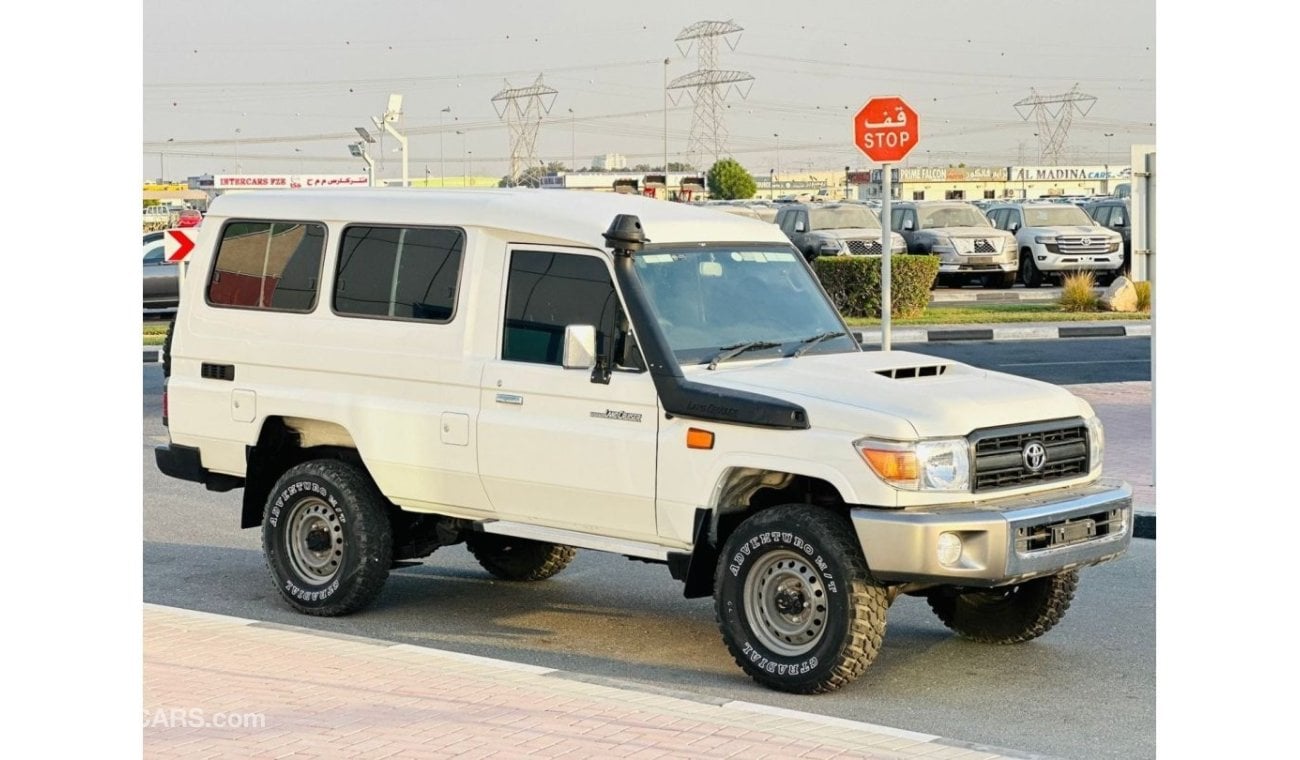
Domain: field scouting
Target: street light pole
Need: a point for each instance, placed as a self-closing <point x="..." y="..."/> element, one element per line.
<point x="778" y="152"/>
<point x="442" y="162"/>
<point x="464" y="170"/>
<point x="665" y="124"/>
<point x="573" y="141"/>
<point x="237" y="169"/>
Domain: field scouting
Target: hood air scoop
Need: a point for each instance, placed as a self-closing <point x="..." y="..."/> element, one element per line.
<point x="903" y="373"/>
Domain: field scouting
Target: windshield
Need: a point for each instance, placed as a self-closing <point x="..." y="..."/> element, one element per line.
<point x="708" y="299"/>
<point x="952" y="216"/>
<point x="1063" y="216"/>
<point x="840" y="217"/>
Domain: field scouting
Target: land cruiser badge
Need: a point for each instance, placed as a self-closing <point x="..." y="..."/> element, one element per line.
<point x="613" y="414"/>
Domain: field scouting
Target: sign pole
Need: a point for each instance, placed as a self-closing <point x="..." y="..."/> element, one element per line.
<point x="886" y="258"/>
<point x="886" y="129"/>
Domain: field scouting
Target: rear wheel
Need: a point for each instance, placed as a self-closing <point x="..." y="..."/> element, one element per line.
<point x="795" y="603"/>
<point x="518" y="559"/>
<point x="1008" y="615"/>
<point x="326" y="538"/>
<point x="1029" y="273"/>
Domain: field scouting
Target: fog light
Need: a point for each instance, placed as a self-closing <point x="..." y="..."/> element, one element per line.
<point x="949" y="551"/>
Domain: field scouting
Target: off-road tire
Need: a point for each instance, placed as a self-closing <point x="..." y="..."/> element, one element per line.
<point x="326" y="538"/>
<point x="518" y="559"/>
<point x="1009" y="615"/>
<point x="811" y="555"/>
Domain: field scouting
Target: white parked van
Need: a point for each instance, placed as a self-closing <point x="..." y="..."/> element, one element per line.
<point x="387" y="372"/>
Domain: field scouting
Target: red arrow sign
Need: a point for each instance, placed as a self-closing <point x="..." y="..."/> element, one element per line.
<point x="177" y="244"/>
<point x="885" y="129"/>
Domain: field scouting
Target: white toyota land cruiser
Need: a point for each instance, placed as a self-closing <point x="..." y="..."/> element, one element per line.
<point x="386" y="372"/>
<point x="1056" y="239"/>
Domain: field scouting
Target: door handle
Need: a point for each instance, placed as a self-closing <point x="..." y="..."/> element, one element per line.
<point x="510" y="398"/>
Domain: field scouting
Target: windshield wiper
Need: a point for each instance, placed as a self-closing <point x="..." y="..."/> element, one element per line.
<point x="807" y="343"/>
<point x="737" y="349"/>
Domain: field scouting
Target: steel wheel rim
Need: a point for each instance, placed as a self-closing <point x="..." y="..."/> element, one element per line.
<point x="315" y="541"/>
<point x="786" y="603"/>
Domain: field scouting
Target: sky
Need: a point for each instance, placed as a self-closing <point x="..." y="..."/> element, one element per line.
<point x="89" y="89"/>
<point x="279" y="87"/>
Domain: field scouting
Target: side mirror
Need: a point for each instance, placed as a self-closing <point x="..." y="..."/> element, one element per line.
<point x="579" y="347"/>
<point x="1117" y="223"/>
<point x="1014" y="226"/>
<point x="908" y="225"/>
<point x="799" y="226"/>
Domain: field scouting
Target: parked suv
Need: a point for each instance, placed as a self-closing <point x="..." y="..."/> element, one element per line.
<point x="1113" y="213"/>
<point x="1055" y="239"/>
<point x="964" y="239"/>
<point x="388" y="372"/>
<point x="161" y="278"/>
<point x="835" y="229"/>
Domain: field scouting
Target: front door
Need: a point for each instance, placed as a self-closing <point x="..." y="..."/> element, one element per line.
<point x="556" y="448"/>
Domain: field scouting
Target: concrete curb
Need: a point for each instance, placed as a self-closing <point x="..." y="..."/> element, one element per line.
<point x="871" y="336"/>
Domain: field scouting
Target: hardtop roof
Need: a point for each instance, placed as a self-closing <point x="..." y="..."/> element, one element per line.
<point x="570" y="215"/>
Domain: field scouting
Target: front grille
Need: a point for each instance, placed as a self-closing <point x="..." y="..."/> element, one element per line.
<point x="1083" y="244"/>
<point x="864" y="247"/>
<point x="1000" y="454"/>
<point x="984" y="246"/>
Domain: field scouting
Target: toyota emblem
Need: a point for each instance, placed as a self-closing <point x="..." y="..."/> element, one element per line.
<point x="1085" y="241"/>
<point x="1034" y="456"/>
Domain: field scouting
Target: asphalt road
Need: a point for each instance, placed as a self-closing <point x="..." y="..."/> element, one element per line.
<point x="1085" y="690"/>
<point x="1064" y="362"/>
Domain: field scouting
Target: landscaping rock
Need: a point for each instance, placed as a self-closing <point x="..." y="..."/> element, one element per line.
<point x="1120" y="296"/>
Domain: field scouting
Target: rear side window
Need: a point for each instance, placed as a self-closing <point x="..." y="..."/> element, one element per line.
<point x="399" y="272"/>
<point x="268" y="265"/>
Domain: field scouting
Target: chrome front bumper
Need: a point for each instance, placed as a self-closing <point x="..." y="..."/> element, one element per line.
<point x="1004" y="540"/>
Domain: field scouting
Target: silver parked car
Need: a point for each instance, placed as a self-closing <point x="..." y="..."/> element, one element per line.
<point x="965" y="241"/>
<point x="161" y="279"/>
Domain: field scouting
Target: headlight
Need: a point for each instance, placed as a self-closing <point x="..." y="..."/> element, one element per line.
<point x="941" y="243"/>
<point x="1045" y="239"/>
<point x="1096" y="443"/>
<point x="941" y="464"/>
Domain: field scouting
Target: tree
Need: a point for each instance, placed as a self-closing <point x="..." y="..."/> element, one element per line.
<point x="532" y="176"/>
<point x="728" y="180"/>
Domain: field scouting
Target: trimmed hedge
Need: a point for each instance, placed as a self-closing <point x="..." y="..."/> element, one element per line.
<point x="853" y="283"/>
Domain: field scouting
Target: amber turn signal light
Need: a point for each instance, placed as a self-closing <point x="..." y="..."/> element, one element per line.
<point x="698" y="439"/>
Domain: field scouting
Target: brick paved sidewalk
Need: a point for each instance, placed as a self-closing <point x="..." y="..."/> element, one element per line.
<point x="217" y="686"/>
<point x="1125" y="412"/>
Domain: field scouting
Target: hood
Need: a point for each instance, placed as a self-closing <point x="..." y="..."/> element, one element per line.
<point x="969" y="232"/>
<point x="897" y="394"/>
<point x="850" y="233"/>
<point x="1081" y="230"/>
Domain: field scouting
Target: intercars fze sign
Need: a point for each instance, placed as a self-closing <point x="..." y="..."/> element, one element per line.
<point x="885" y="129"/>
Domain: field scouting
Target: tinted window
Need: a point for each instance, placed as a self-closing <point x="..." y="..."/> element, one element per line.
<point x="548" y="292"/>
<point x="399" y="272"/>
<point x="154" y="254"/>
<point x="268" y="265"/>
<point x="1102" y="214"/>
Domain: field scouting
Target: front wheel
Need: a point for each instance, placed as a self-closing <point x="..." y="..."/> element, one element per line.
<point x="326" y="538"/>
<point x="795" y="603"/>
<point x="1008" y="615"/>
<point x="1029" y="272"/>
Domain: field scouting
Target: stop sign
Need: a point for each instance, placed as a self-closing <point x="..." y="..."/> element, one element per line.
<point x="885" y="129"/>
